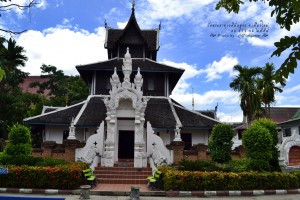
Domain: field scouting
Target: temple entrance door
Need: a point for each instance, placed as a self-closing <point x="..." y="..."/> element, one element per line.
<point x="126" y="144"/>
<point x="294" y="156"/>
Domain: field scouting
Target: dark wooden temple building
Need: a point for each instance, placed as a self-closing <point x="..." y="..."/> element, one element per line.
<point x="128" y="114"/>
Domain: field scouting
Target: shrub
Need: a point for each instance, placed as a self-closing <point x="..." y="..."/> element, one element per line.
<point x="189" y="181"/>
<point x="18" y="149"/>
<point x="199" y="165"/>
<point x="19" y="134"/>
<point x="220" y="143"/>
<point x="272" y="128"/>
<point x="257" y="142"/>
<point x="19" y="141"/>
<point x="240" y="165"/>
<point x="59" y="177"/>
<point x="20" y="160"/>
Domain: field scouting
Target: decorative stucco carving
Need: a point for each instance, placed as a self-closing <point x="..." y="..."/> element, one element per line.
<point x="122" y="91"/>
<point x="286" y="145"/>
<point x="72" y="135"/>
<point x="93" y="147"/>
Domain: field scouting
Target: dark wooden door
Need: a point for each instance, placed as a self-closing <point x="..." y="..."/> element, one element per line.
<point x="126" y="144"/>
<point x="294" y="156"/>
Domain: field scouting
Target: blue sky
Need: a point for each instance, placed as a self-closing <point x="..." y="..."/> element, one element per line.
<point x="194" y="36"/>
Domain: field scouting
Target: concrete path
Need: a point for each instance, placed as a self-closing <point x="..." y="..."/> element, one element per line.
<point x="96" y="197"/>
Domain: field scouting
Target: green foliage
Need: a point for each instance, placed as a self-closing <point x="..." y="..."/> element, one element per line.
<point x="287" y="14"/>
<point x="19" y="141"/>
<point x="240" y="165"/>
<point x="2" y="74"/>
<point x="272" y="128"/>
<point x="258" y="142"/>
<point x="59" y="177"/>
<point x="18" y="149"/>
<point x="246" y="84"/>
<point x="50" y="162"/>
<point x="196" y="180"/>
<point x="199" y="165"/>
<point x="21" y="160"/>
<point x="64" y="90"/>
<point x="267" y="86"/>
<point x="19" y="134"/>
<point x="220" y="143"/>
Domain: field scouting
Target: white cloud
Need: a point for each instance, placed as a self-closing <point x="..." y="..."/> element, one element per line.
<point x="225" y="65"/>
<point x="40" y="4"/>
<point x="230" y="117"/>
<point x="63" y="48"/>
<point x="167" y="9"/>
<point x="228" y="108"/>
<point x="289" y="96"/>
<point x="190" y="72"/>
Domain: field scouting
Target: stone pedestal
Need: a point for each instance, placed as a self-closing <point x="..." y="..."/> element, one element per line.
<point x="177" y="147"/>
<point x="241" y="151"/>
<point x="202" y="151"/>
<point x="48" y="146"/>
<point x="70" y="147"/>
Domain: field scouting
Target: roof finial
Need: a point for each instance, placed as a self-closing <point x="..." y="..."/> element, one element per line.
<point x="159" y="26"/>
<point x="133" y="5"/>
<point x="105" y="23"/>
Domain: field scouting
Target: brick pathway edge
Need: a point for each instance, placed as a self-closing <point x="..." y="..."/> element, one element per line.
<point x="154" y="193"/>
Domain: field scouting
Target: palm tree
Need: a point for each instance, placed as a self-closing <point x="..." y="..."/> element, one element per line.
<point x="12" y="56"/>
<point x="266" y="83"/>
<point x="245" y="83"/>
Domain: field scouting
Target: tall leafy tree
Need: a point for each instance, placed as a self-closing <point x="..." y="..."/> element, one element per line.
<point x="220" y="143"/>
<point x="15" y="105"/>
<point x="267" y="86"/>
<point x="245" y="83"/>
<point x="12" y="56"/>
<point x="287" y="13"/>
<point x="63" y="90"/>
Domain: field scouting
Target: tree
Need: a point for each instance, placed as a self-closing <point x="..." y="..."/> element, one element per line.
<point x="63" y="90"/>
<point x="266" y="83"/>
<point x="257" y="142"/>
<point x="19" y="141"/>
<point x="2" y="73"/>
<point x="12" y="57"/>
<point x="220" y="143"/>
<point x="272" y="128"/>
<point x="287" y="14"/>
<point x="245" y="83"/>
<point x="9" y="6"/>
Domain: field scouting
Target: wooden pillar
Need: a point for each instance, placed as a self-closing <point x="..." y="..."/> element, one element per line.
<point x="177" y="147"/>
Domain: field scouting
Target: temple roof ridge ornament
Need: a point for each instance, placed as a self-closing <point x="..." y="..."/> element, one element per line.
<point x="127" y="69"/>
<point x="133" y="5"/>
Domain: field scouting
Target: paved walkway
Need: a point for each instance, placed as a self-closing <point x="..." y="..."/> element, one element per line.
<point x="96" y="197"/>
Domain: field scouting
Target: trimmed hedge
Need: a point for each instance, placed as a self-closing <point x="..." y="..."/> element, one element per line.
<point x="30" y="161"/>
<point x="191" y="181"/>
<point x="59" y="177"/>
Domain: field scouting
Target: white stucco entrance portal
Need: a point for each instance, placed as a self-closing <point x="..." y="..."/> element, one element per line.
<point x="125" y="101"/>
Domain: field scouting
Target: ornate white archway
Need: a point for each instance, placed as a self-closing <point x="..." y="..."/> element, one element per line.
<point x="122" y="91"/>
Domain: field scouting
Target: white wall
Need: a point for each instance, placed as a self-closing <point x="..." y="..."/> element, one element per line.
<point x="55" y="133"/>
<point x="198" y="135"/>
